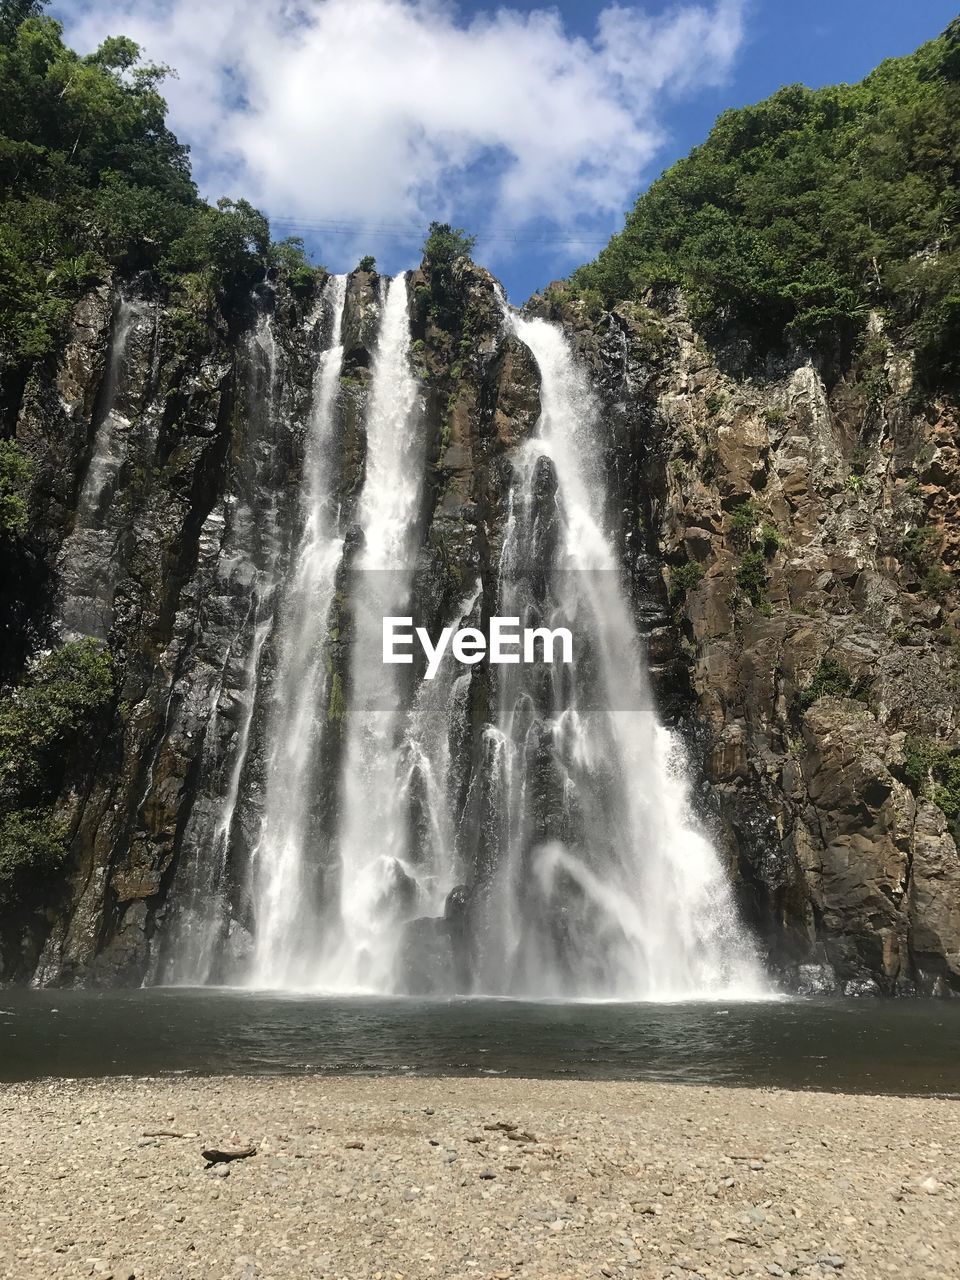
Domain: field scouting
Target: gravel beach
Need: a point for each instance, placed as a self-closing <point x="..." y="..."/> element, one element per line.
<point x="401" y="1178"/>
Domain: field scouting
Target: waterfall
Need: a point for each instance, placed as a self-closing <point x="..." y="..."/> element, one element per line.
<point x="107" y="455"/>
<point x="87" y="566"/>
<point x="378" y="886"/>
<point x="285" y="920"/>
<point x="603" y="885"/>
<point x="516" y="830"/>
<point x="240" y="550"/>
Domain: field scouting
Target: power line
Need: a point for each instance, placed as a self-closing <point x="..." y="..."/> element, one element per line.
<point x="333" y="227"/>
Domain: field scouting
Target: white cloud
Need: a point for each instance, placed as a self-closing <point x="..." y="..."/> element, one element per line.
<point x="398" y="111"/>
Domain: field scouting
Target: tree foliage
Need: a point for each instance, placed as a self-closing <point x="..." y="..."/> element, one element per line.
<point x="443" y="247"/>
<point x="42" y="722"/>
<point x="16" y="471"/>
<point x="800" y="214"/>
<point x="932" y="768"/>
<point x="39" y="718"/>
<point x="830" y="680"/>
<point x="444" y="244"/>
<point x="92" y="181"/>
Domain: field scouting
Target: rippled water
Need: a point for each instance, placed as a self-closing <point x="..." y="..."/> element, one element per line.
<point x="907" y="1046"/>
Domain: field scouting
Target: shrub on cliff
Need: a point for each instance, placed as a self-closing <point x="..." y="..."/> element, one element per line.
<point x="830" y="680"/>
<point x="684" y="578"/>
<point x="442" y="248"/>
<point x="32" y="844"/>
<point x="42" y="724"/>
<point x="933" y="771"/>
<point x="38" y="719"/>
<point x="752" y="577"/>
<point x="15" y="472"/>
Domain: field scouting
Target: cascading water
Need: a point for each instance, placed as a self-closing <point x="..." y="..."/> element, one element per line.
<point x="603" y="886"/>
<point x="240" y="548"/>
<point x="285" y="923"/>
<point x="378" y="886"/>
<point x="524" y="833"/>
<point x="86" y="565"/>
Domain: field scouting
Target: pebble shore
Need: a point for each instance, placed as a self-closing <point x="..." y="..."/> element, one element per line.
<point x="403" y="1178"/>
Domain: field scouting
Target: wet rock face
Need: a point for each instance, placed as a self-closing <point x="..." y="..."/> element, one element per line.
<point x="166" y="477"/>
<point x="779" y="536"/>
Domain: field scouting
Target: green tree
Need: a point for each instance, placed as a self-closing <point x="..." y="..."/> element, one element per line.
<point x="444" y="244"/>
<point x="13" y="12"/>
<point x="92" y="182"/>
<point x="42" y="724"/>
<point x="442" y="249"/>
<point x="16" y="471"/>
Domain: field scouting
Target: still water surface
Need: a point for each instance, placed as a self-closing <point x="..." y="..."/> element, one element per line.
<point x="896" y="1046"/>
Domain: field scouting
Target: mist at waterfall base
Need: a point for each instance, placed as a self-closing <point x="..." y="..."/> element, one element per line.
<point x="529" y="837"/>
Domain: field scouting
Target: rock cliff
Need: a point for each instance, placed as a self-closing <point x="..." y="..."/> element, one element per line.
<point x="804" y="522"/>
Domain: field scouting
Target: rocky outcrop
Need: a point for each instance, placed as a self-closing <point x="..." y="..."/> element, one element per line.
<point x="806" y="536"/>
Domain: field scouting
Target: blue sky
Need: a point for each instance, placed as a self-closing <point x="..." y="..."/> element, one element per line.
<point x="533" y="125"/>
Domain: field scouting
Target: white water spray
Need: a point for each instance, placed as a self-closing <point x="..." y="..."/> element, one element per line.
<point x="240" y="548"/>
<point x="376" y="885"/>
<point x="634" y="903"/>
<point x="285" y="926"/>
<point x="87" y="559"/>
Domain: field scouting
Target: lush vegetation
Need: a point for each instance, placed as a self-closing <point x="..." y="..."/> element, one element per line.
<point x="92" y="181"/>
<point x="830" y="680"/>
<point x="743" y="524"/>
<point x="16" y="470"/>
<point x="799" y="215"/>
<point x="919" y="550"/>
<point x="42" y="722"/>
<point x="933" y="771"/>
<point x="685" y="577"/>
<point x="752" y="577"/>
<point x="442" y="248"/>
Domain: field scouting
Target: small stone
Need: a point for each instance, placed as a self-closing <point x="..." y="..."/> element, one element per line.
<point x="830" y="1260"/>
<point x="411" y="1193"/>
<point x="487" y="1175"/>
<point x="220" y="1171"/>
